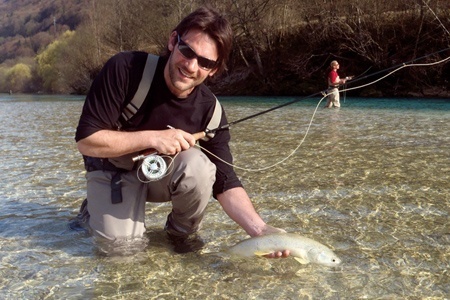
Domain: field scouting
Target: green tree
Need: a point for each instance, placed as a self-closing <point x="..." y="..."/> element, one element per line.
<point x="84" y="60"/>
<point x="51" y="64"/>
<point x="3" y="85"/>
<point x="18" y="78"/>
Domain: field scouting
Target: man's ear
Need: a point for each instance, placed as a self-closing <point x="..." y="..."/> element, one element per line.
<point x="172" y="41"/>
<point x="212" y="72"/>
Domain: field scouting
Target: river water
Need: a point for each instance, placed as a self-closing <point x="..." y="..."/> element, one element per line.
<point x="370" y="180"/>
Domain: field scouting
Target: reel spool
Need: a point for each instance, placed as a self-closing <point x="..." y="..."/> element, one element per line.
<point x="153" y="167"/>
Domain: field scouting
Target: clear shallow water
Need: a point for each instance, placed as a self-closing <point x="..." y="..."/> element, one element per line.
<point x="371" y="181"/>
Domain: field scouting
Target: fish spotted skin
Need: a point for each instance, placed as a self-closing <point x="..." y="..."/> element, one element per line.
<point x="303" y="249"/>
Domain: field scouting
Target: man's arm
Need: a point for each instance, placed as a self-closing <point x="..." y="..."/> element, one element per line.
<point x="110" y="143"/>
<point x="238" y="206"/>
<point x="343" y="80"/>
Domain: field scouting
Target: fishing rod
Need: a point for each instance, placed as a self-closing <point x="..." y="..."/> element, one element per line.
<point x="225" y="126"/>
<point x="154" y="166"/>
<point x="399" y="65"/>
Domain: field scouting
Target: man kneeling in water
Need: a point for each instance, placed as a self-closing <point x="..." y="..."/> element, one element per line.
<point x="198" y="48"/>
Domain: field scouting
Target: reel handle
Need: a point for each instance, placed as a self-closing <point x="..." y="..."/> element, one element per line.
<point x="197" y="136"/>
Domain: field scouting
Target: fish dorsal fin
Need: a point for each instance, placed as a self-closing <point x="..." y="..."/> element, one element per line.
<point x="261" y="253"/>
<point x="301" y="260"/>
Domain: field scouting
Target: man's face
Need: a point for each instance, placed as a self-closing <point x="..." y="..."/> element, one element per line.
<point x="182" y="74"/>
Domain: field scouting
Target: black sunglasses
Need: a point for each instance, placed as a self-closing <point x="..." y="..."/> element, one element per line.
<point x="187" y="52"/>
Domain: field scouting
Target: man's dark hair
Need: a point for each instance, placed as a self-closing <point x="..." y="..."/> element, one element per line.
<point x="213" y="24"/>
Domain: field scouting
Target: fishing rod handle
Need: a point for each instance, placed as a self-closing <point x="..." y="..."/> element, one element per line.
<point x="197" y="136"/>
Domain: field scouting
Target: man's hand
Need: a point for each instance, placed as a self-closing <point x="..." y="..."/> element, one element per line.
<point x="278" y="254"/>
<point x="172" y="141"/>
<point x="268" y="230"/>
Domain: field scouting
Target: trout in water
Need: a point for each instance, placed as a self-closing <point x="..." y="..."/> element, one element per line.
<point x="303" y="249"/>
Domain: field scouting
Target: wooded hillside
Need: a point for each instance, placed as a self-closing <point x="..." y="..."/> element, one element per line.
<point x="280" y="48"/>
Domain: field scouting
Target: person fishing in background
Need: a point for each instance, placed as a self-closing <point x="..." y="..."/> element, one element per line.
<point x="334" y="81"/>
<point x="177" y="105"/>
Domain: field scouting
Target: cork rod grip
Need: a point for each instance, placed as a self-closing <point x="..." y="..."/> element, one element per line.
<point x="199" y="135"/>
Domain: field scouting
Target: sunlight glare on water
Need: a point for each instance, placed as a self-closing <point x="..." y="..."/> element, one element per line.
<point x="371" y="181"/>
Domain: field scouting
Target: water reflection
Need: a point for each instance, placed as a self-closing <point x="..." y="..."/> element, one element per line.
<point x="371" y="181"/>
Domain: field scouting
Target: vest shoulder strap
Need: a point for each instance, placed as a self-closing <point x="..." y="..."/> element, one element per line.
<point x="214" y="122"/>
<point x="144" y="86"/>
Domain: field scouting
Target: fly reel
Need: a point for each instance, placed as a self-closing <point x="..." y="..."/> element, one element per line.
<point x="153" y="167"/>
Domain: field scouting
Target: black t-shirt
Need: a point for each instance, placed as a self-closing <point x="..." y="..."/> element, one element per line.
<point x="116" y="85"/>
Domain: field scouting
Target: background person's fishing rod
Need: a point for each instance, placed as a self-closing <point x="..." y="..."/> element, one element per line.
<point x="355" y="80"/>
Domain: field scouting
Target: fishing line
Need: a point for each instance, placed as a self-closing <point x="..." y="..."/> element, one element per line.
<point x="345" y="91"/>
<point x="279" y="162"/>
<point x="398" y="66"/>
<point x="398" y="69"/>
<point x="324" y="94"/>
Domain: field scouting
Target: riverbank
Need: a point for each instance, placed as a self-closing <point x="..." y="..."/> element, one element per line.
<point x="283" y="50"/>
<point x="387" y="88"/>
